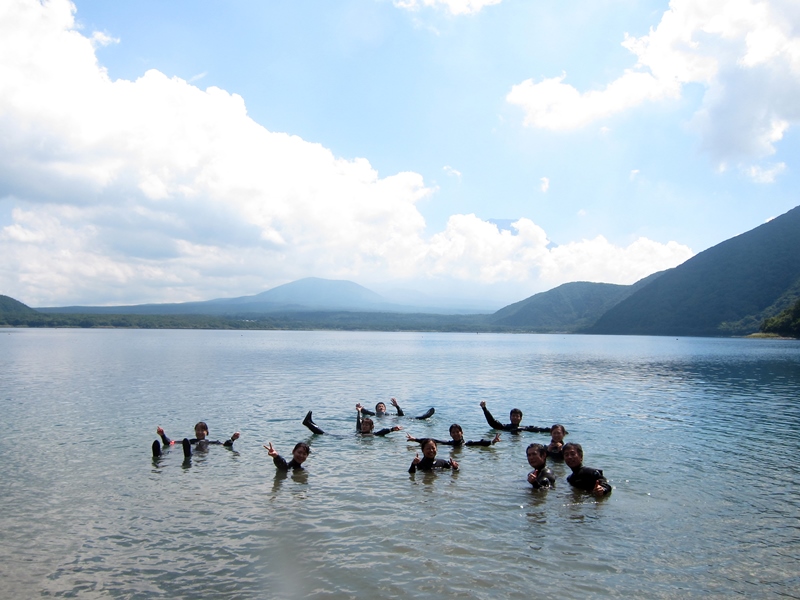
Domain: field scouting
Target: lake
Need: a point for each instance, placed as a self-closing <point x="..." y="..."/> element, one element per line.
<point x="699" y="438"/>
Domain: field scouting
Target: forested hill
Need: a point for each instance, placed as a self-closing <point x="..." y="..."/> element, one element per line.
<point x="726" y="290"/>
<point x="10" y="306"/>
<point x="566" y="308"/>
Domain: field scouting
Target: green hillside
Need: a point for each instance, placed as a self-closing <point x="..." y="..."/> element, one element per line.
<point x="787" y="323"/>
<point x="727" y="290"/>
<point x="566" y="308"/>
<point x="10" y="306"/>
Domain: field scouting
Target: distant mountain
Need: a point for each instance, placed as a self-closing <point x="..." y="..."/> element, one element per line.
<point x="565" y="308"/>
<point x="311" y="293"/>
<point x="10" y="306"/>
<point x="726" y="290"/>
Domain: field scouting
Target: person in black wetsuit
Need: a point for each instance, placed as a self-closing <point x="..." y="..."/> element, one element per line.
<point x="200" y="432"/>
<point x="514" y="427"/>
<point x="366" y="426"/>
<point x="363" y="426"/>
<point x="380" y="411"/>
<point x="584" y="478"/>
<point x="555" y="449"/>
<point x="457" y="435"/>
<point x="299" y="456"/>
<point x="541" y="476"/>
<point x="429" y="461"/>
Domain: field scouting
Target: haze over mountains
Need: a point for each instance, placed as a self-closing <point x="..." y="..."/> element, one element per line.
<point x="729" y="289"/>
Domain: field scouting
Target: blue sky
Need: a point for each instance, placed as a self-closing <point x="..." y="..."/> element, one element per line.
<point x="483" y="150"/>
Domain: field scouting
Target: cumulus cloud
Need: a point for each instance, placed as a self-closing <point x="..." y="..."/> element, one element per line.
<point x="746" y="53"/>
<point x="117" y="191"/>
<point x="455" y="7"/>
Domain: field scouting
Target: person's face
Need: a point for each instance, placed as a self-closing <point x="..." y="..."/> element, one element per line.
<point x="535" y="459"/>
<point x="366" y="426"/>
<point x="572" y="458"/>
<point x="300" y="455"/>
<point x="199" y="432"/>
<point x="456" y="434"/>
<point x="557" y="434"/>
<point x="516" y="418"/>
<point x="429" y="450"/>
<point x="380" y="408"/>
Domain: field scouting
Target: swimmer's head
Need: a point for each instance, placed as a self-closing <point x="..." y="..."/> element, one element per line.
<point x="300" y="452"/>
<point x="516" y="416"/>
<point x="557" y="432"/>
<point x="429" y="449"/>
<point x="367" y="425"/>
<point x="380" y="409"/>
<point x="456" y="432"/>
<point x="573" y="455"/>
<point x="537" y="455"/>
<point x="201" y="430"/>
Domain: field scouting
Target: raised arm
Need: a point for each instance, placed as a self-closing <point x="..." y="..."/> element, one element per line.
<point x="277" y="459"/>
<point x="233" y="438"/>
<point x="400" y="412"/>
<point x="493" y="423"/>
<point x="164" y="439"/>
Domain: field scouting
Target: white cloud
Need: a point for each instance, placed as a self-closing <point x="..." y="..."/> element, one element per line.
<point x="154" y="190"/>
<point x="633" y="174"/>
<point x="451" y="171"/>
<point x="745" y="52"/>
<point x="545" y="184"/>
<point x="456" y="7"/>
<point x="761" y="175"/>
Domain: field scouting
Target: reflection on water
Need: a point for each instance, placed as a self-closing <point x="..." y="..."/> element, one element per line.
<point x="697" y="436"/>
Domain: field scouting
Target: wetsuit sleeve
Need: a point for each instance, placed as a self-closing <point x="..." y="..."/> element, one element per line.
<point x="358" y="421"/>
<point x="535" y="429"/>
<point x="228" y="443"/>
<point x="382" y="432"/>
<point x="604" y="483"/>
<point x="165" y="440"/>
<point x="280" y="462"/>
<point x="400" y="412"/>
<point x="493" y="423"/>
<point x="478" y="443"/>
<point x="367" y="412"/>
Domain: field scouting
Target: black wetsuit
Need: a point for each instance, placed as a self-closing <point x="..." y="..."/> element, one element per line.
<point x="514" y="429"/>
<point x="555" y="454"/>
<point x="282" y="465"/>
<point x="400" y="413"/>
<point x="585" y="478"/>
<point x="544" y="478"/>
<point x="427" y="464"/>
<point x="187" y="444"/>
<point x="380" y="432"/>
<point x="459" y="443"/>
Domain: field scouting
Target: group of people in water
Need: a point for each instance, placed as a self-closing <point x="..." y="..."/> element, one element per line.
<point x="542" y="477"/>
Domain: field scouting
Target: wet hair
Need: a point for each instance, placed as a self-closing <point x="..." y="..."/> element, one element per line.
<point x="203" y="425"/>
<point x="538" y="448"/>
<point x="573" y="445"/>
<point x="561" y="427"/>
<point x="428" y="441"/>
<point x="302" y="445"/>
<point x="457" y="427"/>
<point x="378" y="404"/>
<point x="370" y="424"/>
<point x="515" y="411"/>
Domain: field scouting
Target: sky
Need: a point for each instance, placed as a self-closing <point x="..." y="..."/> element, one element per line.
<point x="472" y="152"/>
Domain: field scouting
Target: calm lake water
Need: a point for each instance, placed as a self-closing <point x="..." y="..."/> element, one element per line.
<point x="699" y="438"/>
